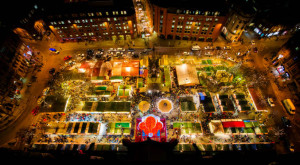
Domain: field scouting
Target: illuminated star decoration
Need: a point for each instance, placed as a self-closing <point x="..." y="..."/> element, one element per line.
<point x="150" y="125"/>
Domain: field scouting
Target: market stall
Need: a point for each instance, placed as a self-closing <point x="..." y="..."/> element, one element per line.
<point x="124" y="91"/>
<point x="188" y="128"/>
<point x="187" y="75"/>
<point x="187" y="106"/>
<point x="255" y="97"/>
<point x="113" y="107"/>
<point x="125" y="68"/>
<point x="119" y="128"/>
<point x="216" y="127"/>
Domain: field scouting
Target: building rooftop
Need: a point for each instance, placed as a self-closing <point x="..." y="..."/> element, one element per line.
<point x="60" y="7"/>
<point x="191" y="4"/>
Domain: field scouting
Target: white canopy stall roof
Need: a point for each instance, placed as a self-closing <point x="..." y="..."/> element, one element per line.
<point x="187" y="74"/>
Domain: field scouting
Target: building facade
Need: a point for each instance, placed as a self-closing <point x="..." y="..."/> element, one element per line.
<point x="287" y="63"/>
<point x="240" y="16"/>
<point x="276" y="18"/>
<point x="28" y="23"/>
<point x="15" y="59"/>
<point x="95" y="20"/>
<point x="181" y="20"/>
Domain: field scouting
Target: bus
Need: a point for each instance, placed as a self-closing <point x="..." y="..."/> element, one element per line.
<point x="289" y="106"/>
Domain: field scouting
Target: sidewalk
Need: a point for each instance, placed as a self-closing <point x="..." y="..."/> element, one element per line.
<point x="23" y="102"/>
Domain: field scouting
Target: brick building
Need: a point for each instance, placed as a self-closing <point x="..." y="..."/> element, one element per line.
<point x="189" y="20"/>
<point x="92" y="20"/>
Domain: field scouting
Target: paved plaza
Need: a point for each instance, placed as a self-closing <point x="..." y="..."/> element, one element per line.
<point x="94" y="100"/>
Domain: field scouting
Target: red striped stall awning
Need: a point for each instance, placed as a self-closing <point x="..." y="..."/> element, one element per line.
<point x="231" y="124"/>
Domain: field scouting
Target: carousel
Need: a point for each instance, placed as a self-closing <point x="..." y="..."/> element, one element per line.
<point x="165" y="105"/>
<point x="144" y="106"/>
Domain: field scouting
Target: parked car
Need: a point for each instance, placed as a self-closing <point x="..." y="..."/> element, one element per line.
<point x="185" y="53"/>
<point x="292" y="147"/>
<point x="52" y="50"/>
<point x="289" y="144"/>
<point x="120" y="49"/>
<point x="35" y="110"/>
<point x="67" y="58"/>
<point x="52" y="70"/>
<point x="286" y="122"/>
<point x="271" y="102"/>
<point x="227" y="47"/>
<point x="255" y="50"/>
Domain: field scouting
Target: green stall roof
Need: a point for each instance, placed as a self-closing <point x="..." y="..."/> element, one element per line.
<point x="124" y="125"/>
<point x="116" y="78"/>
<point x="113" y="106"/>
<point x="98" y="78"/>
<point x="101" y="88"/>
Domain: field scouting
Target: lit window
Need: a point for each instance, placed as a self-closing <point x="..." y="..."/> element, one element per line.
<point x="107" y="13"/>
<point x="125" y="12"/>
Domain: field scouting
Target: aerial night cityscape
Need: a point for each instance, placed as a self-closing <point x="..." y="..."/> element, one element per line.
<point x="152" y="81"/>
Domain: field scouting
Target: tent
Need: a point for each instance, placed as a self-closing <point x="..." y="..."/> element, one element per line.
<point x="233" y="124"/>
<point x="113" y="107"/>
<point x="187" y="75"/>
<point x="259" y="106"/>
<point x="187" y="106"/>
<point x="216" y="127"/>
<point x="115" y="128"/>
<point x="116" y="78"/>
<point x="188" y="128"/>
<point x="124" y="90"/>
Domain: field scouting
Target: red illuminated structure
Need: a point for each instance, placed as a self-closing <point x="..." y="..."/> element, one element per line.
<point x="150" y="126"/>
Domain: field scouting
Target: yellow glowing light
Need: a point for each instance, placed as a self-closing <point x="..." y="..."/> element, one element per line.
<point x="128" y="69"/>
